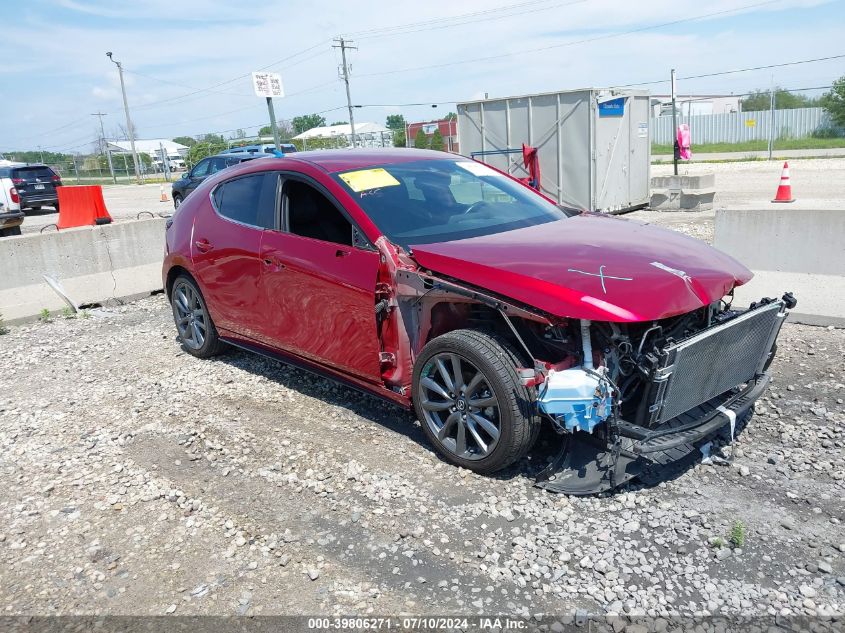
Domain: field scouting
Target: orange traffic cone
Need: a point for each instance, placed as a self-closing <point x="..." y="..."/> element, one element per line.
<point x="164" y="197"/>
<point x="784" y="193"/>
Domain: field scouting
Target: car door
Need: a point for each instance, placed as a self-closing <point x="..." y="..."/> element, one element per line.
<point x="225" y="249"/>
<point x="317" y="289"/>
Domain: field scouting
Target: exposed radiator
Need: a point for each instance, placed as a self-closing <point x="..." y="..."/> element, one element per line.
<point x="714" y="361"/>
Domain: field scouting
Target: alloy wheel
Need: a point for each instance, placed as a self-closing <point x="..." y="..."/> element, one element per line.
<point x="190" y="315"/>
<point x="459" y="406"/>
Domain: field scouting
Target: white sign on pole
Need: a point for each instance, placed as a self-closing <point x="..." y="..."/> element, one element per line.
<point x="268" y="85"/>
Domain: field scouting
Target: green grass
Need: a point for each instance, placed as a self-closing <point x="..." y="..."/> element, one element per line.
<point x="738" y="534"/>
<point x="756" y="146"/>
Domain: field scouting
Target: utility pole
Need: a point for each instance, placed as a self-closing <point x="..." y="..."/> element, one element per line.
<point x="677" y="148"/>
<point x="129" y="129"/>
<point x="343" y="45"/>
<point x="104" y="146"/>
<point x="41" y="154"/>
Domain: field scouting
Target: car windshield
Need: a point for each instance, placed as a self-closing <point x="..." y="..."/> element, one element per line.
<point x="430" y="201"/>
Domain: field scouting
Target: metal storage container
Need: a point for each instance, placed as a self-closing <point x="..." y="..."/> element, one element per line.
<point x="594" y="146"/>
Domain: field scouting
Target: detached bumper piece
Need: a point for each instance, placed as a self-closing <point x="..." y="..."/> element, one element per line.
<point x="699" y="386"/>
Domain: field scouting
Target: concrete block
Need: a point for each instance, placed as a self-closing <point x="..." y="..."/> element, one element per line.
<point x="795" y="250"/>
<point x="92" y="264"/>
<point x="683" y="193"/>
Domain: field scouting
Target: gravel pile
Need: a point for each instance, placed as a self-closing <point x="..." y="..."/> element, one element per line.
<point x="139" y="480"/>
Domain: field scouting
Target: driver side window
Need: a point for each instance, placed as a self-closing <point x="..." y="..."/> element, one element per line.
<point x="311" y="214"/>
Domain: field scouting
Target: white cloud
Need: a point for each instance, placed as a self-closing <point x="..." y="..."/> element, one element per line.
<point x="199" y="43"/>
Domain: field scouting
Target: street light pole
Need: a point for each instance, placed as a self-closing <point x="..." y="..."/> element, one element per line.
<point x="129" y="129"/>
<point x="676" y="147"/>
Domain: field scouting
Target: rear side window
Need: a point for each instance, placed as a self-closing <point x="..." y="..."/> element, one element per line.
<point x="31" y="173"/>
<point x="5" y="172"/>
<point x="249" y="200"/>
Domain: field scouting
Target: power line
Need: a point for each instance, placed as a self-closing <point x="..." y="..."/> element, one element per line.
<point x="732" y="72"/>
<point x="576" y="42"/>
<point x="196" y="91"/>
<point x="464" y="19"/>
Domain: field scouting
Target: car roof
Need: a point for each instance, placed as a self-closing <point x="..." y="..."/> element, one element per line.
<point x="341" y="160"/>
<point x="249" y="155"/>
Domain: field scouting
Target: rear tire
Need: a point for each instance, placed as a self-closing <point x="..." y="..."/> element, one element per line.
<point x="177" y="200"/>
<point x="471" y="403"/>
<point x="193" y="322"/>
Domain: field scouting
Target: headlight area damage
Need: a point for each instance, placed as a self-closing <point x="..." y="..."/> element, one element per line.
<point x="629" y="399"/>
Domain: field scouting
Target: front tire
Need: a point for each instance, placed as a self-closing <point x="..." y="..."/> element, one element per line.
<point x="15" y="230"/>
<point x="193" y="322"/>
<point x="471" y="403"/>
<point x="177" y="200"/>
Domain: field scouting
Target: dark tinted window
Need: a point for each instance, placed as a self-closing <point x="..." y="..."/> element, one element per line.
<point x="201" y="169"/>
<point x="311" y="214"/>
<point x="249" y="200"/>
<point x="217" y="164"/>
<point x="31" y="173"/>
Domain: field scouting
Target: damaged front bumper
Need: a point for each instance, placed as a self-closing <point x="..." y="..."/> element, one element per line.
<point x="698" y="386"/>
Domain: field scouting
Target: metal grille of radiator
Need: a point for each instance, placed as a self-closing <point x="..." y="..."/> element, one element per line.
<point x="714" y="361"/>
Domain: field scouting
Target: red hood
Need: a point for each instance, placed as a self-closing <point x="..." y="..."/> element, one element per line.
<point x="570" y="268"/>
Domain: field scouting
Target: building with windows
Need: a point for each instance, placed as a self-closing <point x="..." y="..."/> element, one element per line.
<point x="175" y="152"/>
<point x="448" y="130"/>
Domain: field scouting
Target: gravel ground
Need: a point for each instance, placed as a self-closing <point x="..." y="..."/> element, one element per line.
<point x="140" y="480"/>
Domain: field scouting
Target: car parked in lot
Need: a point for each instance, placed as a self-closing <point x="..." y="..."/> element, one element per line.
<point x="437" y="282"/>
<point x="11" y="216"/>
<point x="35" y="185"/>
<point x="209" y="166"/>
<point x="263" y="148"/>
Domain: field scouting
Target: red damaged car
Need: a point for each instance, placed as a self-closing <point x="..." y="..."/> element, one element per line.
<point x="436" y="282"/>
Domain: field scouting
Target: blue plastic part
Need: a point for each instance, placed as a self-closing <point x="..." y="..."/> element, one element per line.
<point x="576" y="399"/>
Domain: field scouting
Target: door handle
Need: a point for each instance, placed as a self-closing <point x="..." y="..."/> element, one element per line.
<point x="341" y="253"/>
<point x="203" y="245"/>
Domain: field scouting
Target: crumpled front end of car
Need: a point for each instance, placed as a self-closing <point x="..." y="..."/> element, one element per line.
<point x="646" y="396"/>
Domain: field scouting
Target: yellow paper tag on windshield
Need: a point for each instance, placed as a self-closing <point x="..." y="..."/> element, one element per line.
<point x="366" y="179"/>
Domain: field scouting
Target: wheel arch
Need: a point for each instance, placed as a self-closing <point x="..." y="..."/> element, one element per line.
<point x="172" y="274"/>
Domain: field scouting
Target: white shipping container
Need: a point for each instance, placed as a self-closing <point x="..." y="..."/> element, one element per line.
<point x="594" y="146"/>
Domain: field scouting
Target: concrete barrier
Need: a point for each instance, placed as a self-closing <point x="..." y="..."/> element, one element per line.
<point x="92" y="264"/>
<point x="683" y="193"/>
<point x="789" y="250"/>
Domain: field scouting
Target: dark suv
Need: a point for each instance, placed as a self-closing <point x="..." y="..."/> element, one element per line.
<point x="205" y="168"/>
<point x="36" y="186"/>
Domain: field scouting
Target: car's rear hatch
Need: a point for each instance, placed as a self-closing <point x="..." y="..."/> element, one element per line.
<point x="36" y="183"/>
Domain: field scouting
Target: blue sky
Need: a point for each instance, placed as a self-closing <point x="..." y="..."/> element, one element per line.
<point x="56" y="73"/>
